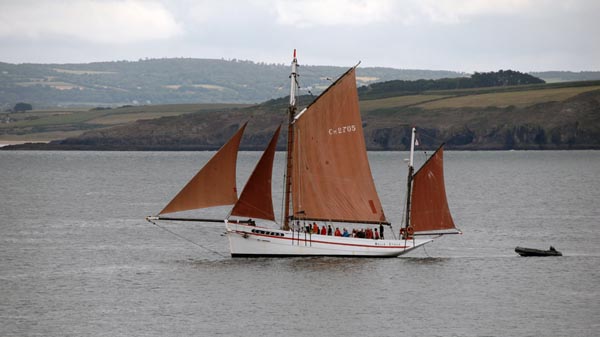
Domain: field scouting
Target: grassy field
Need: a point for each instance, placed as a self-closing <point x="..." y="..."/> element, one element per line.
<point x="116" y="119"/>
<point x="505" y="99"/>
<point x="53" y="124"/>
<point x="399" y="101"/>
<point x="477" y="98"/>
<point x="37" y="137"/>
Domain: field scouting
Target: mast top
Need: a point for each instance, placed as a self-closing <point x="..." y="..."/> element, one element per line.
<point x="294" y="84"/>
<point x="412" y="146"/>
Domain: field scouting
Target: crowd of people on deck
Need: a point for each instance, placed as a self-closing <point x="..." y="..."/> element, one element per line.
<point x="368" y="233"/>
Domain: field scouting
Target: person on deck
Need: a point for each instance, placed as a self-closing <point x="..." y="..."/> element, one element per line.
<point x="315" y="229"/>
<point x="337" y="232"/>
<point x="323" y="230"/>
<point x="376" y="234"/>
<point x="361" y="234"/>
<point x="329" y="230"/>
<point x="381" y="231"/>
<point x="345" y="233"/>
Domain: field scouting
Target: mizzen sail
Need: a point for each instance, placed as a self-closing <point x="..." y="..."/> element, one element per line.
<point x="214" y="184"/>
<point x="331" y="177"/>
<point x="256" y="200"/>
<point x="429" y="210"/>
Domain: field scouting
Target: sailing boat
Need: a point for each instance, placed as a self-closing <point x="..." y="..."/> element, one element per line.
<point x="328" y="181"/>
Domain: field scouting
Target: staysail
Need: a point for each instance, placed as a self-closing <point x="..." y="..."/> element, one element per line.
<point x="256" y="200"/>
<point x="429" y="210"/>
<point x="214" y="184"/>
<point x="331" y="178"/>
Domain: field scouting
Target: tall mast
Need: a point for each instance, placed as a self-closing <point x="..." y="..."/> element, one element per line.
<point x="290" y="143"/>
<point x="410" y="176"/>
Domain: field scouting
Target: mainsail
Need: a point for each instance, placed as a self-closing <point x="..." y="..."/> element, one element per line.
<point x="429" y="210"/>
<point x="331" y="178"/>
<point x="214" y="184"/>
<point x="256" y="200"/>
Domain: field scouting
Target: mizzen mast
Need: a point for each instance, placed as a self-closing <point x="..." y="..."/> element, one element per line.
<point x="427" y="211"/>
<point x="293" y="107"/>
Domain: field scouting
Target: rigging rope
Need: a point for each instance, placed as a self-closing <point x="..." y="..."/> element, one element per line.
<point x="283" y="199"/>
<point x="422" y="133"/>
<point x="425" y="250"/>
<point x="186" y="239"/>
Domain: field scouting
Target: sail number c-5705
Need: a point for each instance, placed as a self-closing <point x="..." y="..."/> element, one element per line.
<point x="342" y="129"/>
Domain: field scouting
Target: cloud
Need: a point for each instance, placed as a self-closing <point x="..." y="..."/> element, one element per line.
<point x="312" y="13"/>
<point x="436" y="34"/>
<point x="332" y="12"/>
<point x="454" y="12"/>
<point x="110" y="22"/>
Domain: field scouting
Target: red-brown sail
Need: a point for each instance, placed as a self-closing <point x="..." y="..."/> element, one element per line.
<point x="429" y="207"/>
<point x="255" y="200"/>
<point x="214" y="184"/>
<point x="331" y="178"/>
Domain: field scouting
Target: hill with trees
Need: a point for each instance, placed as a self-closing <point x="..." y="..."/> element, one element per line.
<point x="500" y="78"/>
<point x="196" y="81"/>
<point x="567" y="76"/>
<point x="172" y="81"/>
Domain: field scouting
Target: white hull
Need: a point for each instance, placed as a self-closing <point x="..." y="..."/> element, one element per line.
<point x="252" y="241"/>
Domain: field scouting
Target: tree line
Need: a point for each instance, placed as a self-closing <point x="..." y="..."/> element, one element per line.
<point x="477" y="80"/>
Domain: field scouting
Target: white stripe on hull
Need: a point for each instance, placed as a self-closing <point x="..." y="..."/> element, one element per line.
<point x="258" y="241"/>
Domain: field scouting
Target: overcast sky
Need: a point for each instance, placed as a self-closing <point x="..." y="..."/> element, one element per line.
<point x="461" y="35"/>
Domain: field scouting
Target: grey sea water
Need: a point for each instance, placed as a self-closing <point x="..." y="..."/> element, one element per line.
<point x="78" y="259"/>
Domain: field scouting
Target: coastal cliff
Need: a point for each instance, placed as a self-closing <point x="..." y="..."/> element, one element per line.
<point x="557" y="123"/>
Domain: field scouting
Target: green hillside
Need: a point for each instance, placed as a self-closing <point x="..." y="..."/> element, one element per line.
<point x="547" y="116"/>
<point x="541" y="117"/>
<point x="172" y="81"/>
<point x="188" y="80"/>
<point x="53" y="124"/>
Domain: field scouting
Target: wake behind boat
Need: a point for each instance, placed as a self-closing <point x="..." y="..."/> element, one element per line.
<point x="328" y="184"/>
